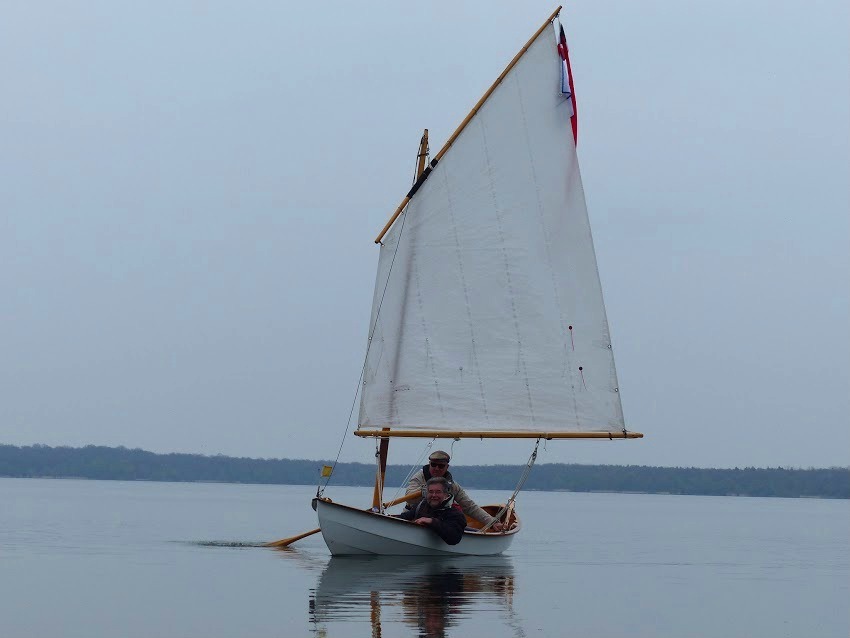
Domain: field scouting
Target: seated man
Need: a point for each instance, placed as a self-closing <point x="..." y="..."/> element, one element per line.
<point x="436" y="512"/>
<point x="438" y="467"/>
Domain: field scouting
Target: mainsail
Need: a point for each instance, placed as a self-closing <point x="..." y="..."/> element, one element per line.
<point x="488" y="314"/>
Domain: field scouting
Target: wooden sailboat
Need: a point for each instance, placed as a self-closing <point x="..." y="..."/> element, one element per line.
<point x="487" y="318"/>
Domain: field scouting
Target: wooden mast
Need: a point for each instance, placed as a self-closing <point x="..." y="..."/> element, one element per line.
<point x="383" y="448"/>
<point x="422" y="156"/>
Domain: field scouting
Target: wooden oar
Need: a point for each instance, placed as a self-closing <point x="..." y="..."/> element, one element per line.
<point x="286" y="542"/>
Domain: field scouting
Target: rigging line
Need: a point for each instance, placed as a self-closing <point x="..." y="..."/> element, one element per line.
<point x="413" y="469"/>
<point x="522" y="480"/>
<point x="368" y="347"/>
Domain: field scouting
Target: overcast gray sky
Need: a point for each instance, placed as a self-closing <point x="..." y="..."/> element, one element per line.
<point x="189" y="193"/>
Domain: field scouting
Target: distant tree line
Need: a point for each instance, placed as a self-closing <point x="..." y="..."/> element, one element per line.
<point x="107" y="463"/>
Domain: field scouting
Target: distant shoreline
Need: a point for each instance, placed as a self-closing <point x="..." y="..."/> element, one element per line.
<point x="525" y="489"/>
<point x="120" y="463"/>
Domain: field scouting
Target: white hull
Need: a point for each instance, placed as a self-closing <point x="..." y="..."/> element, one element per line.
<point x="351" y="531"/>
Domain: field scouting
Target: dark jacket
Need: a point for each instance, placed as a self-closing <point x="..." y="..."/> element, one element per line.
<point x="447" y="521"/>
<point x="469" y="507"/>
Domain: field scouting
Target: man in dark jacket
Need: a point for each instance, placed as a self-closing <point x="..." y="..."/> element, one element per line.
<point x="437" y="512"/>
<point x="438" y="466"/>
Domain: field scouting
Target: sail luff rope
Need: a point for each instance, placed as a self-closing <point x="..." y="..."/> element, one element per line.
<point x="521" y="482"/>
<point x="320" y="491"/>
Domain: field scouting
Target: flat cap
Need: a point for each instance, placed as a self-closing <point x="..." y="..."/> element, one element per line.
<point x="439" y="455"/>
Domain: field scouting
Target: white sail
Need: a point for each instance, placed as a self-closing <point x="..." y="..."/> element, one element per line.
<point x="488" y="311"/>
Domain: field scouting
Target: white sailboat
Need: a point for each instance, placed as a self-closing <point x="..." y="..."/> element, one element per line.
<point x="487" y="319"/>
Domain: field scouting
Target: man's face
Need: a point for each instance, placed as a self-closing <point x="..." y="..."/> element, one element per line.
<point x="439" y="468"/>
<point x="436" y="495"/>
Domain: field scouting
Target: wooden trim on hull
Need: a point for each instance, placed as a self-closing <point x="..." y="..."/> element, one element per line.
<point x="441" y="434"/>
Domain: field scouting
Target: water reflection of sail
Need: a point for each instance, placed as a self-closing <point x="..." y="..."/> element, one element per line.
<point x="431" y="594"/>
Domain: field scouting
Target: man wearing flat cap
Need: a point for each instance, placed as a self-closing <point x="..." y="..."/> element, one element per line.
<point x="438" y="467"/>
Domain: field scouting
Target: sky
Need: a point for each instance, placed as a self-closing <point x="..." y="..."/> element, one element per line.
<point x="189" y="193"/>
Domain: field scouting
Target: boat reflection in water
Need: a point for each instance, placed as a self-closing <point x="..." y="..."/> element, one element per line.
<point x="432" y="594"/>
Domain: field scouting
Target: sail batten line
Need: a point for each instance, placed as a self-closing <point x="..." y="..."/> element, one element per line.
<point x="467" y="119"/>
<point x="548" y="436"/>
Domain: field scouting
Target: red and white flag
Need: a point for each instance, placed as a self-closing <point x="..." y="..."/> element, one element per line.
<point x="567" y="80"/>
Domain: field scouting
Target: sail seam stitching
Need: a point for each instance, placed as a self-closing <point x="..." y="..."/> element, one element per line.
<point x="428" y="353"/>
<point x="465" y="286"/>
<point x="548" y="252"/>
<point x="498" y="213"/>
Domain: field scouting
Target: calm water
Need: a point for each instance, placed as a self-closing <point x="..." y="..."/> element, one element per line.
<point x="92" y="558"/>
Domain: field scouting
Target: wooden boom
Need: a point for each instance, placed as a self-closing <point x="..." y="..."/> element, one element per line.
<point x="440" y="434"/>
